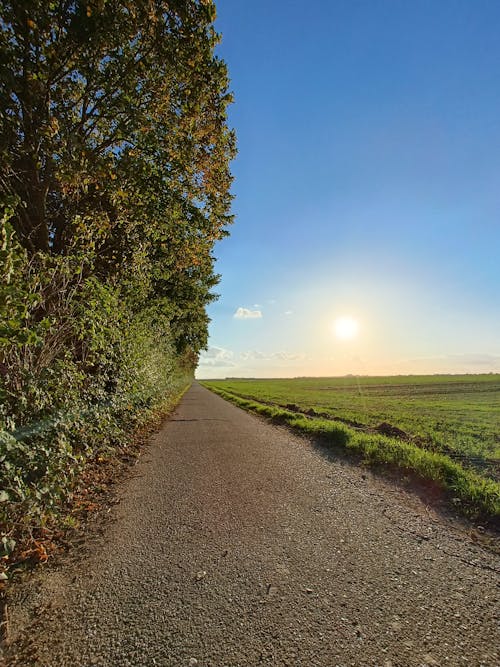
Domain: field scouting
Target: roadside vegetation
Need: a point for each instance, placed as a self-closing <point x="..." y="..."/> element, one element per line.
<point x="114" y="187"/>
<point x="412" y="423"/>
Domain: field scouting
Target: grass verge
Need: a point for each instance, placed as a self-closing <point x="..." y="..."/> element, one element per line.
<point x="472" y="494"/>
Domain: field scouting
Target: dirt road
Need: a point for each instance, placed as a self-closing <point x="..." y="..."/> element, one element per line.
<point x="236" y="544"/>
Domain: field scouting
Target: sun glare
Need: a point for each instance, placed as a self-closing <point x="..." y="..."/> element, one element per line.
<point x="345" y="327"/>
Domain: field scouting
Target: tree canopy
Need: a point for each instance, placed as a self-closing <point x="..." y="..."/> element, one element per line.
<point x="114" y="187"/>
<point x="114" y="139"/>
<point x="104" y="104"/>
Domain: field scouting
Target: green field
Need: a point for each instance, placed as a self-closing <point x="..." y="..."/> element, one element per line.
<point x="457" y="415"/>
<point x="445" y="428"/>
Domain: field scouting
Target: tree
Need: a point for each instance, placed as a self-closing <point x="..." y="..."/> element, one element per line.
<point x="113" y="136"/>
<point x="114" y="187"/>
<point x="114" y="177"/>
<point x="91" y="89"/>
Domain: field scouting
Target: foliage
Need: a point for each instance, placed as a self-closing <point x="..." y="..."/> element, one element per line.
<point x="114" y="187"/>
<point x="472" y="493"/>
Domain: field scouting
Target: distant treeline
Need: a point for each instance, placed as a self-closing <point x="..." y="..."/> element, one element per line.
<point x="114" y="183"/>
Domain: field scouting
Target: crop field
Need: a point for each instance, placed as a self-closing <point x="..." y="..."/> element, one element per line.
<point x="450" y="414"/>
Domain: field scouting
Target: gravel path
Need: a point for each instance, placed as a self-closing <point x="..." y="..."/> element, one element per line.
<point x="237" y="544"/>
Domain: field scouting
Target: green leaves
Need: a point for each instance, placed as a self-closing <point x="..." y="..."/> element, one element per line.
<point x="114" y="187"/>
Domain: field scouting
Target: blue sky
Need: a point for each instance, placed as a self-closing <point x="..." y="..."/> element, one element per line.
<point x="367" y="184"/>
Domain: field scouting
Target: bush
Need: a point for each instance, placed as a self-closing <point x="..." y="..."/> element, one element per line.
<point x="111" y="199"/>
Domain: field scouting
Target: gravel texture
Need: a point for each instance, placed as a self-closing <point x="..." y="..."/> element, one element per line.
<point x="237" y="544"/>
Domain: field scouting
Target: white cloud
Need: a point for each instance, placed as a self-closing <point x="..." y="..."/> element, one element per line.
<point x="256" y="355"/>
<point x="466" y="358"/>
<point x="247" y="314"/>
<point x="216" y="356"/>
<point x="215" y="352"/>
<point x="253" y="354"/>
<point x="453" y="363"/>
<point x="287" y="356"/>
<point x="288" y="312"/>
<point x="478" y="359"/>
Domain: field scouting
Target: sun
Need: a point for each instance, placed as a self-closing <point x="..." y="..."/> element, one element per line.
<point x="345" y="327"/>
